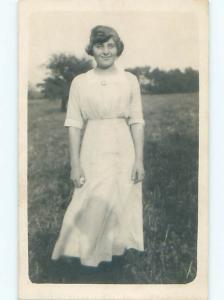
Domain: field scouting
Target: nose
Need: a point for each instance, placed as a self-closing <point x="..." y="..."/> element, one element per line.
<point x="106" y="50"/>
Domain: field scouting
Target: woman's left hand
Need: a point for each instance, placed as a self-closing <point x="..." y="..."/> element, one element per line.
<point x="138" y="172"/>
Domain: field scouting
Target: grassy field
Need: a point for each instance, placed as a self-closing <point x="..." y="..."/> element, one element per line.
<point x="169" y="193"/>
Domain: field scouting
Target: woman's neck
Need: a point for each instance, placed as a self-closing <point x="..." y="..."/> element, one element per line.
<point x="108" y="71"/>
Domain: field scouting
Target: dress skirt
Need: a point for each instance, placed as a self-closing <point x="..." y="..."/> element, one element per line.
<point x="104" y="216"/>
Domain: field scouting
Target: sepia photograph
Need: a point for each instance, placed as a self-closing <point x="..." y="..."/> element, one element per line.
<point x="113" y="133"/>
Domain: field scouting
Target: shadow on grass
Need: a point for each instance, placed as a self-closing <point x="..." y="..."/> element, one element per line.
<point x="70" y="270"/>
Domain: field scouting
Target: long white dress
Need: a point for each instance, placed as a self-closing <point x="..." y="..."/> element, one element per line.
<point x="104" y="216"/>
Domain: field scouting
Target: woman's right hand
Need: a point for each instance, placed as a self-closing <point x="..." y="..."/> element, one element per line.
<point x="78" y="177"/>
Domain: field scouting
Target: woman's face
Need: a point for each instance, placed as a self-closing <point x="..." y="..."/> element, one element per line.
<point x="105" y="53"/>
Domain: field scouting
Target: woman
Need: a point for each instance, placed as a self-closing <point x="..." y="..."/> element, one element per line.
<point x="104" y="217"/>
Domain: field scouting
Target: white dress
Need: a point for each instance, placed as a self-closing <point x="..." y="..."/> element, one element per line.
<point x="104" y="216"/>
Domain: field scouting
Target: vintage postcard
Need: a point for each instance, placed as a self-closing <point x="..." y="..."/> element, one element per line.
<point x="113" y="149"/>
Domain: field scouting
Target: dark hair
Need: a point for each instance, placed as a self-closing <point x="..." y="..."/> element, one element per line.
<point x="101" y="34"/>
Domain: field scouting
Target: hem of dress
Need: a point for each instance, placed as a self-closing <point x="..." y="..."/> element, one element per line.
<point x="103" y="260"/>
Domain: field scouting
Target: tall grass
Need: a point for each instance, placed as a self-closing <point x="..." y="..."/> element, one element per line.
<point x="169" y="193"/>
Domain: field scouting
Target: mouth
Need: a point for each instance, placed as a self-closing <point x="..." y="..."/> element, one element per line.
<point x="106" y="57"/>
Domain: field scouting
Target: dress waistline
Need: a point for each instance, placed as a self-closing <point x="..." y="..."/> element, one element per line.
<point x="117" y="119"/>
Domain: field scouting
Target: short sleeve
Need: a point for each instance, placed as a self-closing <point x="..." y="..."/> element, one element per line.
<point x="74" y="116"/>
<point x="136" y="114"/>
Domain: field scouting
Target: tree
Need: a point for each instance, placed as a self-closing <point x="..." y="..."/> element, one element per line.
<point x="172" y="81"/>
<point x="33" y="93"/>
<point x="62" y="69"/>
<point x="191" y="79"/>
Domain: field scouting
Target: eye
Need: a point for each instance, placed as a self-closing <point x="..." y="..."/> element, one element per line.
<point x="98" y="45"/>
<point x="111" y="45"/>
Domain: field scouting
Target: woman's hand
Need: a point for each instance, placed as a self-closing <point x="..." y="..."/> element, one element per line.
<point x="138" y="172"/>
<point x="78" y="177"/>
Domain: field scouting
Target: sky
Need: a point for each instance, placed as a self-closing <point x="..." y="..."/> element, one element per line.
<point x="165" y="40"/>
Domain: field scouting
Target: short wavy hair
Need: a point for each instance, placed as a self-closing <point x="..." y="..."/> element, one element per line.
<point x="101" y="34"/>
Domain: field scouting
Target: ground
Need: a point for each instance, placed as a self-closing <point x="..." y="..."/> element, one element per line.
<point x="169" y="194"/>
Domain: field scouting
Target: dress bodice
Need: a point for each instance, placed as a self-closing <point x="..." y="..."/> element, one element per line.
<point x="94" y="96"/>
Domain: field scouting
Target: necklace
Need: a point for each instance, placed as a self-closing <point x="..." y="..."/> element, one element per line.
<point x="103" y="82"/>
<point x="106" y="79"/>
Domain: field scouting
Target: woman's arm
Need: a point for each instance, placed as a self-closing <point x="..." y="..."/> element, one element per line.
<point x="137" y="131"/>
<point x="74" y="145"/>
